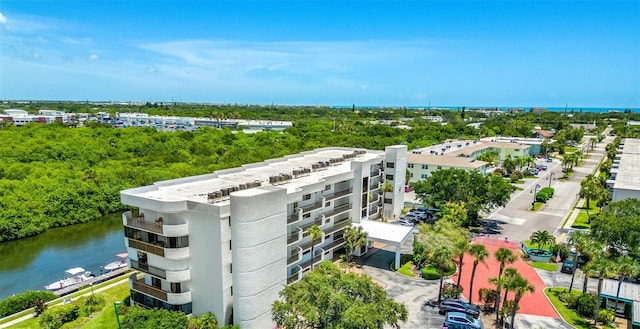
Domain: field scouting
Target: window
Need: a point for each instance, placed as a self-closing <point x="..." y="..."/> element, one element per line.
<point x="439" y="167"/>
<point x="327" y="187"/>
<point x="391" y="165"/>
<point x="410" y="165"/>
<point x="425" y="166"/>
<point x="388" y="201"/>
<point x="175" y="287"/>
<point x="230" y="267"/>
<point x="423" y="176"/>
<point x="411" y="175"/>
<point x="230" y="245"/>
<point x="156" y="282"/>
<point x="231" y="290"/>
<point x="307" y="215"/>
<point x="327" y="204"/>
<point x="389" y="177"/>
<point x="306" y="197"/>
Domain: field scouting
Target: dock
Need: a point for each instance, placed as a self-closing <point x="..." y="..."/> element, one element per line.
<point x="94" y="280"/>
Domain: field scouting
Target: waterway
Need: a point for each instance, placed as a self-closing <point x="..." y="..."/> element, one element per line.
<point x="31" y="263"/>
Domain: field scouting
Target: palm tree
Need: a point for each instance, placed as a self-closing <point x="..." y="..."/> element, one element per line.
<point x="542" y="239"/>
<point x="521" y="286"/>
<point x="441" y="257"/>
<point x="355" y="238"/>
<point x="504" y="256"/>
<point x="479" y="253"/>
<point x="315" y="232"/>
<point x="588" y="189"/>
<point x="581" y="242"/>
<point x="506" y="282"/>
<point x="460" y="248"/>
<point x="627" y="268"/>
<point x="601" y="268"/>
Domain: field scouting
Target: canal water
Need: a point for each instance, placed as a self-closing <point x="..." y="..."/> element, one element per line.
<point x="32" y="263"/>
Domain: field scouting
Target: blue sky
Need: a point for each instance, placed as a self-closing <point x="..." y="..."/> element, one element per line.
<point x="397" y="53"/>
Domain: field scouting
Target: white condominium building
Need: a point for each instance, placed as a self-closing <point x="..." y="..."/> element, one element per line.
<point x="624" y="181"/>
<point x="229" y="241"/>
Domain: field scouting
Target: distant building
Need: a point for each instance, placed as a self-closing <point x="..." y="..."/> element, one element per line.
<point x="539" y="133"/>
<point x="421" y="166"/>
<point x="624" y="179"/>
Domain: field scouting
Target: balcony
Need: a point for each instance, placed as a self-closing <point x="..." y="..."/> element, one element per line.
<point x="338" y="210"/>
<point x="295" y="217"/>
<point x="338" y="195"/>
<point x="311" y="207"/>
<point x="339" y="226"/>
<point x="316" y="260"/>
<point x="158" y="226"/>
<point x="297" y="255"/>
<point x="294" y="237"/>
<point x="159" y="250"/>
<point x="295" y="276"/>
<point x="306" y="246"/>
<point x="176" y="298"/>
<point x="170" y="276"/>
<point x="334" y="245"/>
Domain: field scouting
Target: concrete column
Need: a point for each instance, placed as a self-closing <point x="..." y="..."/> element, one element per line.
<point x="398" y="256"/>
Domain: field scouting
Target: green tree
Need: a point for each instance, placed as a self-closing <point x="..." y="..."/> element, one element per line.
<point x="581" y="242"/>
<point x="441" y="257"/>
<point x="619" y="226"/>
<point x="479" y="254"/>
<point x="329" y="298"/>
<point x="460" y="248"/>
<point x="626" y="268"/>
<point x="355" y="238"/>
<point x="588" y="189"/>
<point x="506" y="283"/>
<point x="316" y="233"/>
<point x="520" y="286"/>
<point x="476" y="190"/>
<point x="601" y="268"/>
<point x="455" y="212"/>
<point x="137" y="317"/>
<point x="503" y="256"/>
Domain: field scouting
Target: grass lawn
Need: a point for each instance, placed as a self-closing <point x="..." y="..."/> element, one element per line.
<point x="406" y="269"/>
<point x="567" y="314"/>
<point x="545" y="266"/>
<point x="105" y="318"/>
<point x="582" y="220"/>
<point x="537" y="205"/>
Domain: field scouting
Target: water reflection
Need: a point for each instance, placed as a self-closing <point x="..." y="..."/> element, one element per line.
<point x="31" y="263"/>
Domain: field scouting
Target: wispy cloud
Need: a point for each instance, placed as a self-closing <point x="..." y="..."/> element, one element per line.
<point x="94" y="57"/>
<point x="3" y="19"/>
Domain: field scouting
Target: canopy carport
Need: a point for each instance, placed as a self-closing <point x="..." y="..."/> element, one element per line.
<point x="391" y="234"/>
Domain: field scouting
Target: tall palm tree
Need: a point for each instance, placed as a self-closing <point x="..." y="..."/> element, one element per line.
<point x="479" y="253"/>
<point x="627" y="268"/>
<point x="441" y="257"/>
<point x="506" y="282"/>
<point x="315" y="232"/>
<point x="460" y="248"/>
<point x="601" y="268"/>
<point x="588" y="188"/>
<point x="504" y="256"/>
<point x="581" y="242"/>
<point x="521" y="286"/>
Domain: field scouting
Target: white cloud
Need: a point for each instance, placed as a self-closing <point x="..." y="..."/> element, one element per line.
<point x="151" y="69"/>
<point x="94" y="57"/>
<point x="3" y="19"/>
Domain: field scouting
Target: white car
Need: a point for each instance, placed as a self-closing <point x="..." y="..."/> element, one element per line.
<point x="405" y="222"/>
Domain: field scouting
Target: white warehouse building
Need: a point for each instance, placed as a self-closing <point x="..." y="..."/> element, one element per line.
<point x="229" y="241"/>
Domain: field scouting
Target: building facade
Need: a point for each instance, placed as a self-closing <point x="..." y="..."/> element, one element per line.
<point x="229" y="241"/>
<point x="624" y="180"/>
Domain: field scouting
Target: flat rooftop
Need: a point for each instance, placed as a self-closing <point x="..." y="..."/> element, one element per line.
<point x="288" y="172"/>
<point x="443" y="160"/>
<point x="628" y="176"/>
<point x="456" y="147"/>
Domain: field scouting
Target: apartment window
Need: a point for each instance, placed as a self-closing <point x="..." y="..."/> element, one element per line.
<point x="423" y="176"/>
<point x="327" y="187"/>
<point x="230" y="267"/>
<point x="229" y="221"/>
<point x="388" y="201"/>
<point x="306" y="197"/>
<point x="389" y="177"/>
<point x="439" y="167"/>
<point x="156" y="282"/>
<point x="391" y="165"/>
<point x="176" y="288"/>
<point x="327" y="204"/>
<point x="230" y="245"/>
<point x="411" y="175"/>
<point x="307" y="215"/>
<point x="410" y="165"/>
<point x="231" y="290"/>
<point x="425" y="166"/>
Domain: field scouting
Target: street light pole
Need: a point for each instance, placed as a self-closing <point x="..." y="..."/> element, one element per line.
<point x="115" y="308"/>
<point x="551" y="177"/>
<point x="535" y="191"/>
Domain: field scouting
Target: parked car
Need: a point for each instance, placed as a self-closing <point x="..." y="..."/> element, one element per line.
<point x="533" y="171"/>
<point x="549" y="160"/>
<point x="459" y="320"/>
<point x="541" y="167"/>
<point x="567" y="266"/>
<point x="456" y="305"/>
<point x="405" y="222"/>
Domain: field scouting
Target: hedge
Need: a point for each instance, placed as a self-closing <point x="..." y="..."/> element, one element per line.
<point x="55" y="317"/>
<point x="23" y="301"/>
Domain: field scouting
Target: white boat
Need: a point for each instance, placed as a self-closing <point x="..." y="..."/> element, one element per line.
<point x="120" y="262"/>
<point x="72" y="276"/>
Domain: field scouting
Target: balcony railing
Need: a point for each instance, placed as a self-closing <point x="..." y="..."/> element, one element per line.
<point x="295" y="217"/>
<point x="157" y="226"/>
<point x="141" y="286"/>
<point x="295" y="276"/>
<point x="294" y="237"/>
<point x="295" y="257"/>
<point x="316" y="260"/>
<point x="307" y="245"/>
<point x="146" y="268"/>
<point x="339" y="226"/>
<point x="147" y="247"/>
<point x="311" y="207"/>
<point x="338" y="210"/>
<point x="338" y="195"/>
<point x="335" y="244"/>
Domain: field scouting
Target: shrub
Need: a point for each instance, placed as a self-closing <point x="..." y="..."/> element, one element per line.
<point x="585" y="304"/>
<point x="406" y="269"/>
<point x="514" y="177"/>
<point x="430" y="273"/>
<point x="90" y="304"/>
<point x="39" y="307"/>
<point x="55" y="317"/>
<point x="23" y="301"/>
<point x="450" y="290"/>
<point x="607" y="316"/>
<point x="406" y="258"/>
<point x="548" y="190"/>
<point x="562" y="249"/>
